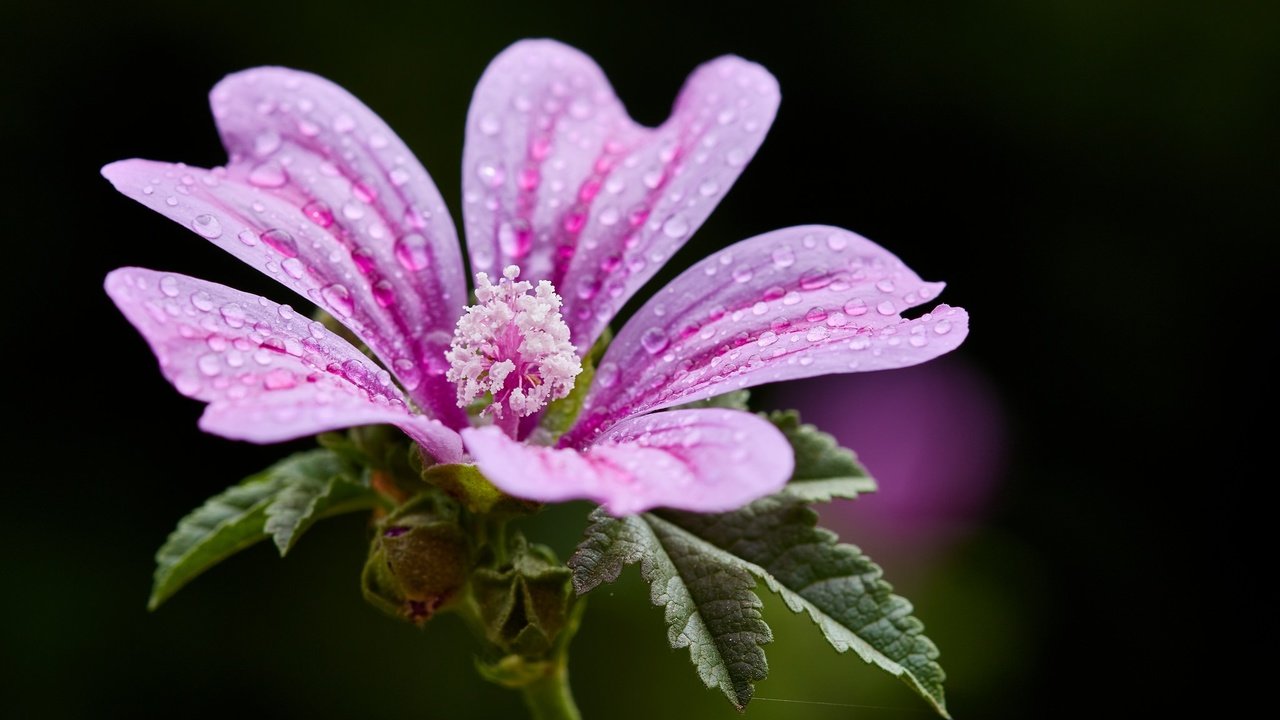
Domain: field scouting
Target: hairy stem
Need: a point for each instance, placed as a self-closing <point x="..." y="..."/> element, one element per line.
<point x="550" y="698"/>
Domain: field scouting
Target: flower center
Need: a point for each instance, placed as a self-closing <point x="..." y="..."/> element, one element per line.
<point x="514" y="345"/>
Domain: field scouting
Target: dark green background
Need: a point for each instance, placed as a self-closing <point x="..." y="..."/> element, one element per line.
<point x="1096" y="180"/>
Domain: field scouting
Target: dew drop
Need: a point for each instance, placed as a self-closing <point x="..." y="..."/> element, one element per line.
<point x="209" y="364"/>
<point x="918" y="341"/>
<point x="248" y="237"/>
<point x="412" y="252"/>
<point x="338" y="297"/>
<point x="384" y="293"/>
<point x="490" y="125"/>
<point x="675" y="227"/>
<point x="654" y="340"/>
<point x="837" y="242"/>
<point x="268" y="175"/>
<point x="742" y="274"/>
<point x="491" y="173"/>
<point x="784" y="257"/>
<point x="767" y="338"/>
<point x="708" y="188"/>
<point x="942" y="328"/>
<point x="318" y="213"/>
<point x="814" y="280"/>
<point x="885" y="308"/>
<point x="233" y="315"/>
<point x="352" y="210"/>
<point x="201" y="300"/>
<point x="280" y="241"/>
<point x="815" y="315"/>
<point x="885" y="286"/>
<point x="515" y="238"/>
<point x="266" y="143"/>
<point x="736" y="157"/>
<point x="344" y="123"/>
<point x="588" y="288"/>
<point x="817" y="333"/>
<point x="279" y="379"/>
<point x="207" y="226"/>
<point x="855" y="307"/>
<point x="607" y="374"/>
<point x="169" y="285"/>
<point x="398" y="176"/>
<point x="294" y="268"/>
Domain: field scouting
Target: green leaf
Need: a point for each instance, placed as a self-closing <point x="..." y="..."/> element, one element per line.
<point x="316" y="484"/>
<point x="560" y="414"/>
<point x="224" y="525"/>
<point x="841" y="589"/>
<point x="238" y="517"/>
<point x="711" y="607"/>
<point x="824" y="470"/>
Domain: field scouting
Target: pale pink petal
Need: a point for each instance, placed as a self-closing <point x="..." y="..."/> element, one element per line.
<point x="321" y="195"/>
<point x="267" y="372"/>
<point x="700" y="460"/>
<point x="789" y="304"/>
<point x="559" y="180"/>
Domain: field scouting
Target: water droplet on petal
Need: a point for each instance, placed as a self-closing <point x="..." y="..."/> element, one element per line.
<point x="318" y="213"/>
<point x="515" y="238"/>
<point x="208" y="226"/>
<point x="654" y="340"/>
<point x="266" y="143"/>
<point x="837" y="242"/>
<point x="491" y="173"/>
<point x="338" y="297"/>
<point x="742" y="274"/>
<point x="918" y="341"/>
<point x="885" y="286"/>
<point x="607" y="374"/>
<point x="201" y="300"/>
<point x="817" y="333"/>
<point x="815" y="315"/>
<point x="294" y="268"/>
<point x="384" y="293"/>
<point x="344" y="123"/>
<point x="675" y="227"/>
<point x="855" y="307"/>
<point x="209" y="364"/>
<point x="943" y="327"/>
<point x="279" y="379"/>
<point x="169" y="285"/>
<point x="268" y="175"/>
<point x="280" y="241"/>
<point x="412" y="252"/>
<point x="814" y="280"/>
<point x="248" y="237"/>
<point x="490" y="125"/>
<point x="885" y="308"/>
<point x="784" y="257"/>
<point x="767" y="338"/>
<point x="398" y="176"/>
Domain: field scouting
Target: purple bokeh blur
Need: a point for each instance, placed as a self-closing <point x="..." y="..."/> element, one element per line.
<point x="932" y="435"/>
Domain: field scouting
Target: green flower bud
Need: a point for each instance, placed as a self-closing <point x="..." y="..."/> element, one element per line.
<point x="418" y="562"/>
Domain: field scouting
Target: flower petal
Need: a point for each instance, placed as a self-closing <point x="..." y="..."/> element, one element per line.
<point x="559" y="180"/>
<point x="789" y="304"/>
<point x="321" y="195"/>
<point x="700" y="460"/>
<point x="268" y="373"/>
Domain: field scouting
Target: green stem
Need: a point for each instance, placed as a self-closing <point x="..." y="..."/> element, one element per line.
<point x="549" y="697"/>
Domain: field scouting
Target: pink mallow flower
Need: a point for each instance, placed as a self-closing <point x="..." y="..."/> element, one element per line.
<point x="571" y="206"/>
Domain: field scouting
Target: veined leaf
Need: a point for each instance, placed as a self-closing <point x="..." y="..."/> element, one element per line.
<point x="841" y="589"/>
<point x="238" y="517"/>
<point x="701" y="568"/>
<point x="711" y="607"/>
<point x="316" y="484"/>
<point x="824" y="470"/>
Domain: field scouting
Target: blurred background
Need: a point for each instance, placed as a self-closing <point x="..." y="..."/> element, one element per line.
<point x="1090" y="178"/>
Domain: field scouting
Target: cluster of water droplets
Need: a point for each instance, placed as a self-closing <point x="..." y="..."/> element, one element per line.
<point x="217" y="344"/>
<point x="595" y="202"/>
<point x="770" y="320"/>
